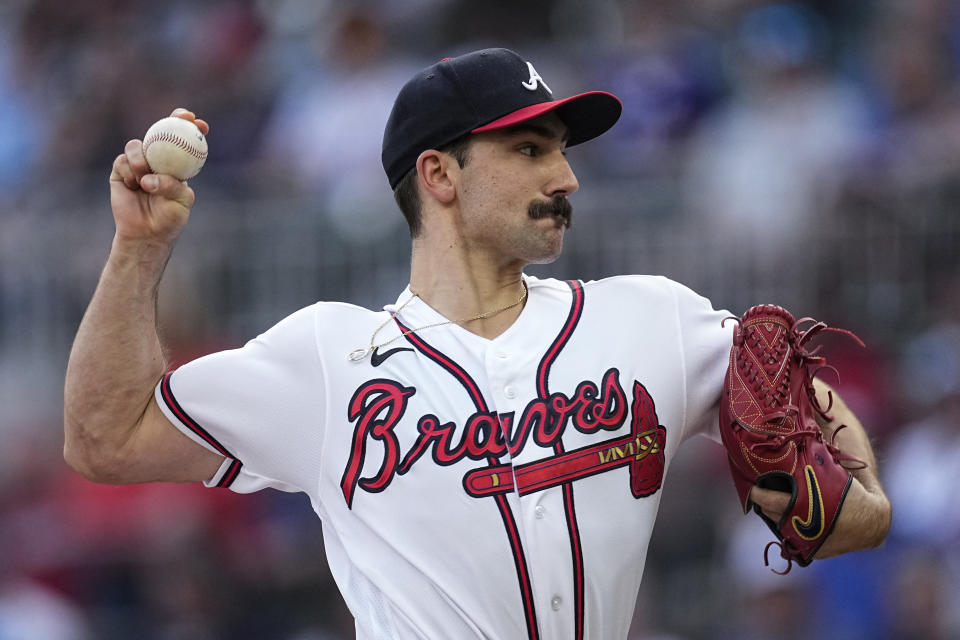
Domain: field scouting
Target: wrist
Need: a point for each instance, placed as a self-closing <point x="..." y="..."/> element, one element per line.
<point x="144" y="260"/>
<point x="140" y="250"/>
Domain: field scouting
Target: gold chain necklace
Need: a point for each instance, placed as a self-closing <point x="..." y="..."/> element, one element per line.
<point x="359" y="354"/>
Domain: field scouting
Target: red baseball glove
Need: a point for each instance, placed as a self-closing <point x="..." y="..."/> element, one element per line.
<point x="768" y="424"/>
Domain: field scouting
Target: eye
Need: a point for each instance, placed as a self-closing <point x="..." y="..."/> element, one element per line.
<point x="528" y="150"/>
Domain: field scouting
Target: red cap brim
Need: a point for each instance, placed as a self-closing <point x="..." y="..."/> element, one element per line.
<point x="586" y="115"/>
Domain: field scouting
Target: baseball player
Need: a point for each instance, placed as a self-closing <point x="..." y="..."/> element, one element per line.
<point x="486" y="453"/>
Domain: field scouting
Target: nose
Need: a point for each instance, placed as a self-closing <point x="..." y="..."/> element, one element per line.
<point x="563" y="181"/>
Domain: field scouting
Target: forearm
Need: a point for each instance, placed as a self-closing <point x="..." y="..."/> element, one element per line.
<point x="116" y="359"/>
<point x="113" y="431"/>
<point x="865" y="518"/>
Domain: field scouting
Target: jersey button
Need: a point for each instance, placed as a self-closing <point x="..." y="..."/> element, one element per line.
<point x="510" y="392"/>
<point x="555" y="603"/>
<point x="503" y="355"/>
<point x="539" y="511"/>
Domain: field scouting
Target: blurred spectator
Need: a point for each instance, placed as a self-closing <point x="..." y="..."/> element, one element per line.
<point x="923" y="464"/>
<point x="29" y="611"/>
<point x="773" y="155"/>
<point x="908" y="60"/>
<point x="763" y="604"/>
<point x="325" y="134"/>
<point x="922" y="599"/>
<point x="925" y="455"/>
<point x="668" y="75"/>
<point x="22" y="110"/>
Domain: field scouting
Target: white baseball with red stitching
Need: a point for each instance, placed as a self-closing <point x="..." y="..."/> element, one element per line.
<point x="176" y="147"/>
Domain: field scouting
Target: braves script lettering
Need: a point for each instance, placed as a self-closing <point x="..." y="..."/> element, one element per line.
<point x="378" y="406"/>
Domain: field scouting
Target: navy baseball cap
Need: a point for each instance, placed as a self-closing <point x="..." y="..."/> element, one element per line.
<point x="482" y="91"/>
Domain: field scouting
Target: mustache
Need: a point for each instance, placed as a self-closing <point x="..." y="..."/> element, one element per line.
<point x="558" y="207"/>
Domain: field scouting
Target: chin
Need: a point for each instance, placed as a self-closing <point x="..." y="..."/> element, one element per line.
<point x="548" y="260"/>
<point x="541" y="247"/>
<point x="547" y="256"/>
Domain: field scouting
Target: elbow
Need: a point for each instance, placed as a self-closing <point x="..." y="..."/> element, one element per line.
<point x="79" y="462"/>
<point x="92" y="461"/>
<point x="862" y="526"/>
<point x="883" y="521"/>
<point x="90" y="467"/>
<point x="877" y="526"/>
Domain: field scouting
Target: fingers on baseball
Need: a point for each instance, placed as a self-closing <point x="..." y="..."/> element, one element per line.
<point x="138" y="162"/>
<point x="773" y="503"/>
<point x="122" y="171"/>
<point x="186" y="114"/>
<point x="166" y="186"/>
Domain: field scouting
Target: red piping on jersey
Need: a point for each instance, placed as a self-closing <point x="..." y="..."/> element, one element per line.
<point x="576" y="310"/>
<point x="509" y="523"/>
<point x="452" y="367"/>
<point x="543" y="375"/>
<point x="167" y="393"/>
<point x="232" y="472"/>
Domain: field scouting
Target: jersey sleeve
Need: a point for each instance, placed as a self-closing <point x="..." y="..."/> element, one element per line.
<point x="259" y="406"/>
<point x="705" y="342"/>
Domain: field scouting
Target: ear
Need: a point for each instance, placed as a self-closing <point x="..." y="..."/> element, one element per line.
<point x="435" y="174"/>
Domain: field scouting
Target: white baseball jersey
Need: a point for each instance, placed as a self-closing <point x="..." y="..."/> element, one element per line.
<point x="472" y="488"/>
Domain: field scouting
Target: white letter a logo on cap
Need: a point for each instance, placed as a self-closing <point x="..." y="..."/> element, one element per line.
<point x="531" y="84"/>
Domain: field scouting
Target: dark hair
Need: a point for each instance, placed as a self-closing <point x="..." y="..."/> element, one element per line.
<point x="406" y="193"/>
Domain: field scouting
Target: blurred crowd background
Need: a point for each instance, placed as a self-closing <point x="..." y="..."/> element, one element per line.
<point x="800" y="153"/>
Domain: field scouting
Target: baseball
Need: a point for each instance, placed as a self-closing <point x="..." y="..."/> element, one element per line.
<point x="176" y="147"/>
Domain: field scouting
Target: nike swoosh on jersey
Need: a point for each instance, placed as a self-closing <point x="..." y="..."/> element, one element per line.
<point x="377" y="358"/>
<point x="812" y="527"/>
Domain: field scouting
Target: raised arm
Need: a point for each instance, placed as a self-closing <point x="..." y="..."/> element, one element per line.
<point x="114" y="430"/>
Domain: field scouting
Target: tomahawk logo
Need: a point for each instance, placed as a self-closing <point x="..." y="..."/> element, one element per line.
<point x="531" y="84"/>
